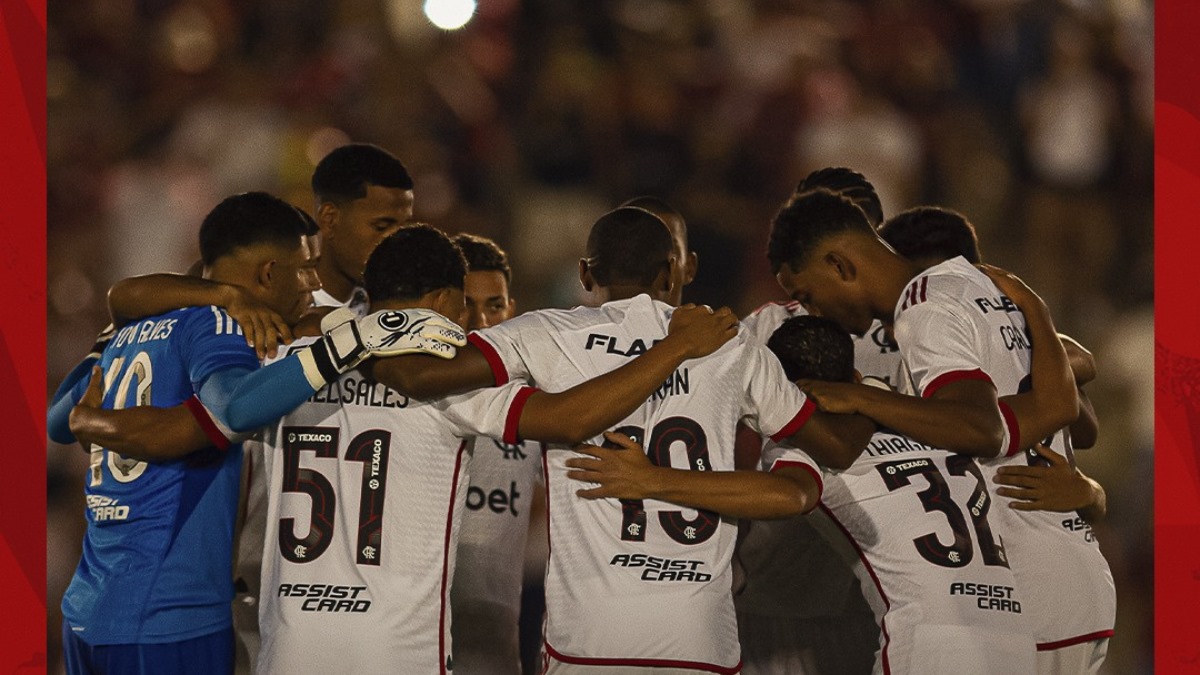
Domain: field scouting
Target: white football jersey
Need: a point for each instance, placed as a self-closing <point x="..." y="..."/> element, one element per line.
<point x="953" y="323"/>
<point x="252" y="519"/>
<point x="642" y="582"/>
<point x="365" y="492"/>
<point x="932" y="562"/>
<point x="486" y="594"/>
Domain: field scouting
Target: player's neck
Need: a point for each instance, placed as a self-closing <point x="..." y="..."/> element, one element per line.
<point x="333" y="282"/>
<point x="893" y="274"/>
<point x="603" y="294"/>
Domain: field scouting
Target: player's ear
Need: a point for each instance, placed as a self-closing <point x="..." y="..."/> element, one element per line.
<point x="585" y="276"/>
<point x="691" y="264"/>
<point x="327" y="215"/>
<point x="842" y="265"/>
<point x="265" y="273"/>
<point x="665" y="281"/>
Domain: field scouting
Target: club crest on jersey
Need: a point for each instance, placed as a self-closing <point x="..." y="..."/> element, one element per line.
<point x="511" y="450"/>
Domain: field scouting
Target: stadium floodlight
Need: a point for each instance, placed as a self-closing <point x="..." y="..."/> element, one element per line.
<point x="449" y="14"/>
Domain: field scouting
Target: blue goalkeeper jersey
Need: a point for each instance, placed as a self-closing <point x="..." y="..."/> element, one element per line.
<point x="157" y="556"/>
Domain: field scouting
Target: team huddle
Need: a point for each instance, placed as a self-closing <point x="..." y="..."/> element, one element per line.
<point x="320" y="452"/>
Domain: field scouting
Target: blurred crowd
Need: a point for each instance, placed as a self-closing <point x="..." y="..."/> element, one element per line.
<point x="1032" y="118"/>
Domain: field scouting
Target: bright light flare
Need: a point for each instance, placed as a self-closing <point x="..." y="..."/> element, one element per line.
<point x="449" y="14"/>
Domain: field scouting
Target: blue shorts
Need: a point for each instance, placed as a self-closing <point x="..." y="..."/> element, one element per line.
<point x="210" y="654"/>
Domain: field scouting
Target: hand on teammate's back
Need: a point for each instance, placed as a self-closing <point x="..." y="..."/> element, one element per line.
<point x="1057" y="487"/>
<point x="624" y="471"/>
<point x="701" y="329"/>
<point x="263" y="327"/>
<point x="1012" y="286"/>
<point x="395" y="332"/>
<point x="834" y="397"/>
<point x="92" y="398"/>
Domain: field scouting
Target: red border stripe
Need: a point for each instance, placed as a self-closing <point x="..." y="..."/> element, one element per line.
<point x="642" y="663"/>
<point x="1059" y="644"/>
<point x="446" y="559"/>
<point x="806" y="411"/>
<point x="512" y="423"/>
<point x="887" y="604"/>
<point x="206" y="422"/>
<point x="499" y="372"/>
<point x="1014" y="429"/>
<point x="954" y="376"/>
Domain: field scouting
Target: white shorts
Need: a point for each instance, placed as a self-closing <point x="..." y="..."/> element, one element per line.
<point x="1081" y="659"/>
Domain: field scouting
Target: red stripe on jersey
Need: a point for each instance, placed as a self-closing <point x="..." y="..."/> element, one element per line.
<point x="643" y="663"/>
<point x="206" y="422"/>
<point x="952" y="377"/>
<point x="786" y="464"/>
<point x="512" y="423"/>
<point x="1014" y="430"/>
<point x="924" y="285"/>
<point x="887" y="604"/>
<point x="446" y="559"/>
<point x="806" y="411"/>
<point x="1078" y="640"/>
<point x="499" y="372"/>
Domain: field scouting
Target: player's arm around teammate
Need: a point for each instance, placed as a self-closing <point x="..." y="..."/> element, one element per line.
<point x="625" y="472"/>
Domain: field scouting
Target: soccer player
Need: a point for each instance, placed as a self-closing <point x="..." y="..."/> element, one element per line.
<point x="152" y="590"/>
<point x="505" y="482"/>
<point x="928" y="552"/>
<point x="363" y="194"/>
<point x="357" y="575"/>
<point x="640" y="585"/>
<point x="964" y="344"/>
<point x="689" y="262"/>
<point x="931" y="235"/>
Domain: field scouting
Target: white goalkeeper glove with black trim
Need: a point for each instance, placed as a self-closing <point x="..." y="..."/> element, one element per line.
<point x="349" y="340"/>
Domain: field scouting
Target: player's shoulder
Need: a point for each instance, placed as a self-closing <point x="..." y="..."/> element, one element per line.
<point x="952" y="282"/>
<point x="762" y="322"/>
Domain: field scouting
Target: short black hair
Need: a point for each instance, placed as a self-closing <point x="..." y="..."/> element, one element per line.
<point x="931" y="232"/>
<point x="806" y="220"/>
<point x="628" y="245"/>
<point x="813" y="348"/>
<point x="847" y="182"/>
<point x="483" y="255"/>
<point x="414" y="260"/>
<point x="344" y="174"/>
<point x="654" y="205"/>
<point x="251" y="218"/>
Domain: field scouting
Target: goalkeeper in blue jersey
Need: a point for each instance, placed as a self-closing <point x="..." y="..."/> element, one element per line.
<point x="153" y="588"/>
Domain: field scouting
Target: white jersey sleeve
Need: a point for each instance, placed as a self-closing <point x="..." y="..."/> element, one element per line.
<point x="939" y="343"/>
<point x="776" y="456"/>
<point x="505" y="346"/>
<point x="491" y="413"/>
<point x="773" y="406"/>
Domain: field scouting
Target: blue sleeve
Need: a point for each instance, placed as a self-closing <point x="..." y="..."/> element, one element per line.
<point x="214" y="342"/>
<point x="68" y="394"/>
<point x="245" y="400"/>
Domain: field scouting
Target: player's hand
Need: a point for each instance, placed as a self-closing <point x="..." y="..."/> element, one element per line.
<point x="834" y="397"/>
<point x="701" y="330"/>
<point x="1057" y="487"/>
<point x="1012" y="286"/>
<point x="81" y="414"/>
<point x="349" y="340"/>
<point x="623" y="472"/>
<point x="263" y="327"/>
<point x="102" y="341"/>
